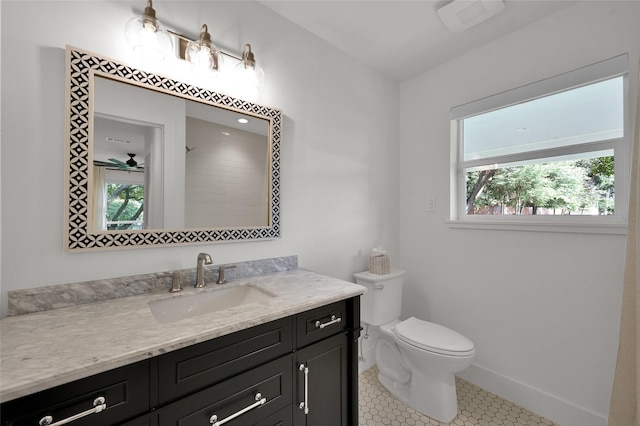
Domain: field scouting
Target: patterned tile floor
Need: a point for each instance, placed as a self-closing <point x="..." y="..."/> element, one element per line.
<point x="476" y="407"/>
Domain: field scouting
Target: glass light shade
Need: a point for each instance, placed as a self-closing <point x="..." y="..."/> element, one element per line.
<point x="203" y="57"/>
<point x="248" y="75"/>
<point x="148" y="38"/>
<point x="203" y="54"/>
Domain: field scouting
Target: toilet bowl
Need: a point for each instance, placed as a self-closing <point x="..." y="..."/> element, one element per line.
<point x="417" y="360"/>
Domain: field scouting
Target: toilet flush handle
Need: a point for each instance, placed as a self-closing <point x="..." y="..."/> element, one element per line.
<point x="378" y="286"/>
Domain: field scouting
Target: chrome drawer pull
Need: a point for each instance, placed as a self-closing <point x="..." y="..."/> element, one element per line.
<point x="259" y="401"/>
<point x="334" y="320"/>
<point x="304" y="405"/>
<point x="99" y="404"/>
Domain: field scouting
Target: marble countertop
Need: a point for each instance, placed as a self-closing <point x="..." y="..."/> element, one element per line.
<point x="46" y="349"/>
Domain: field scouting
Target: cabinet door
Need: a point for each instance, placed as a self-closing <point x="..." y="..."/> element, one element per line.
<point x="322" y="383"/>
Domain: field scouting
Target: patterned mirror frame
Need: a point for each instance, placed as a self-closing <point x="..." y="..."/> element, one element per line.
<point x="81" y="66"/>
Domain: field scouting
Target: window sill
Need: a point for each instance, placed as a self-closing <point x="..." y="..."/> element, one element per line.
<point x="576" y="227"/>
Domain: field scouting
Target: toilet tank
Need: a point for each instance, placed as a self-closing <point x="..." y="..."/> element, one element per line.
<point x="382" y="301"/>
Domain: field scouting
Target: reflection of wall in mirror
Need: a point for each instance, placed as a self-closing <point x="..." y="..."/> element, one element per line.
<point x="226" y="177"/>
<point x="164" y="156"/>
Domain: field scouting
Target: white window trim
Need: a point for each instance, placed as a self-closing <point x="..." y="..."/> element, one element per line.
<point x="614" y="225"/>
<point x="569" y="227"/>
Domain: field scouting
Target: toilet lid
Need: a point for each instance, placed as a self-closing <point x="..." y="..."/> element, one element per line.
<point x="433" y="337"/>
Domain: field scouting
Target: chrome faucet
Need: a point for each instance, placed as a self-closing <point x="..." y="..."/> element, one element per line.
<point x="206" y="259"/>
<point x="221" y="269"/>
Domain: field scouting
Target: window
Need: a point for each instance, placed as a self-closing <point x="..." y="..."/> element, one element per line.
<point x="125" y="206"/>
<point x="546" y="151"/>
<point x="124" y="199"/>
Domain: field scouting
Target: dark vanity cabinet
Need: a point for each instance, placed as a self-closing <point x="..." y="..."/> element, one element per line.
<point x="299" y="370"/>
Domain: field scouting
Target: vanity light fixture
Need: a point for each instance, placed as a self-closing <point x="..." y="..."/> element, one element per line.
<point x="147" y="36"/>
<point x="151" y="40"/>
<point x="202" y="53"/>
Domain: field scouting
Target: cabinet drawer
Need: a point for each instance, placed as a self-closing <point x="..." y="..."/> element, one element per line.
<point x="272" y="380"/>
<point x="283" y="417"/>
<point x="125" y="391"/>
<point x="199" y="366"/>
<point x="147" y="420"/>
<point x="322" y="322"/>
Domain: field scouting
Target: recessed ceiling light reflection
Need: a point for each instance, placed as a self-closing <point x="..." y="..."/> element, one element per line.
<point x="226" y="133"/>
<point x="243" y="120"/>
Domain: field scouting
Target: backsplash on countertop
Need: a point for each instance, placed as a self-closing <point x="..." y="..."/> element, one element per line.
<point x="65" y="295"/>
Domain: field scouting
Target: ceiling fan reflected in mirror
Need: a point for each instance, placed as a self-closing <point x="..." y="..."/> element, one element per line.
<point x="130" y="165"/>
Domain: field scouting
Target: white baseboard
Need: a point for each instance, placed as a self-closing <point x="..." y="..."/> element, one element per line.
<point x="544" y="404"/>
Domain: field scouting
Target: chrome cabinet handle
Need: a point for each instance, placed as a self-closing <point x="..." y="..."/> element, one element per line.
<point x="99" y="404"/>
<point x="334" y="320"/>
<point x="304" y="405"/>
<point x="259" y="401"/>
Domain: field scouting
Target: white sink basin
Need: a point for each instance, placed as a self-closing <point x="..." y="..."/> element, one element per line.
<point x="180" y="307"/>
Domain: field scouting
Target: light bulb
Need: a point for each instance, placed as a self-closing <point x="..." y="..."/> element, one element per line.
<point x="203" y="54"/>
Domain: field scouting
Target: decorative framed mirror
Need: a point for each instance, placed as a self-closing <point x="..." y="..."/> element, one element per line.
<point x="151" y="161"/>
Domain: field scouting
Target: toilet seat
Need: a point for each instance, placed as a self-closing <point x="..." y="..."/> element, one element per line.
<point x="433" y="338"/>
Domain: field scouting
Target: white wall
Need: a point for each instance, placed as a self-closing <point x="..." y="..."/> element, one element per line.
<point x="542" y="308"/>
<point x="227" y="178"/>
<point x="2" y="295"/>
<point x="338" y="160"/>
<point x="166" y="116"/>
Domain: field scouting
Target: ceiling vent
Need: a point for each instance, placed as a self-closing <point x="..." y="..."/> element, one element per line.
<point x="460" y="15"/>
<point x="116" y="140"/>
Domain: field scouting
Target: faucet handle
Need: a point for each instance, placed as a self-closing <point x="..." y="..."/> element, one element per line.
<point x="177" y="283"/>
<point x="221" y="269"/>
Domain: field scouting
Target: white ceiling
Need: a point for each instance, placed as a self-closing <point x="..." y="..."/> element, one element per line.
<point x="399" y="38"/>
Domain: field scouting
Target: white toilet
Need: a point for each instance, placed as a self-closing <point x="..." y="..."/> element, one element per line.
<point x="417" y="359"/>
